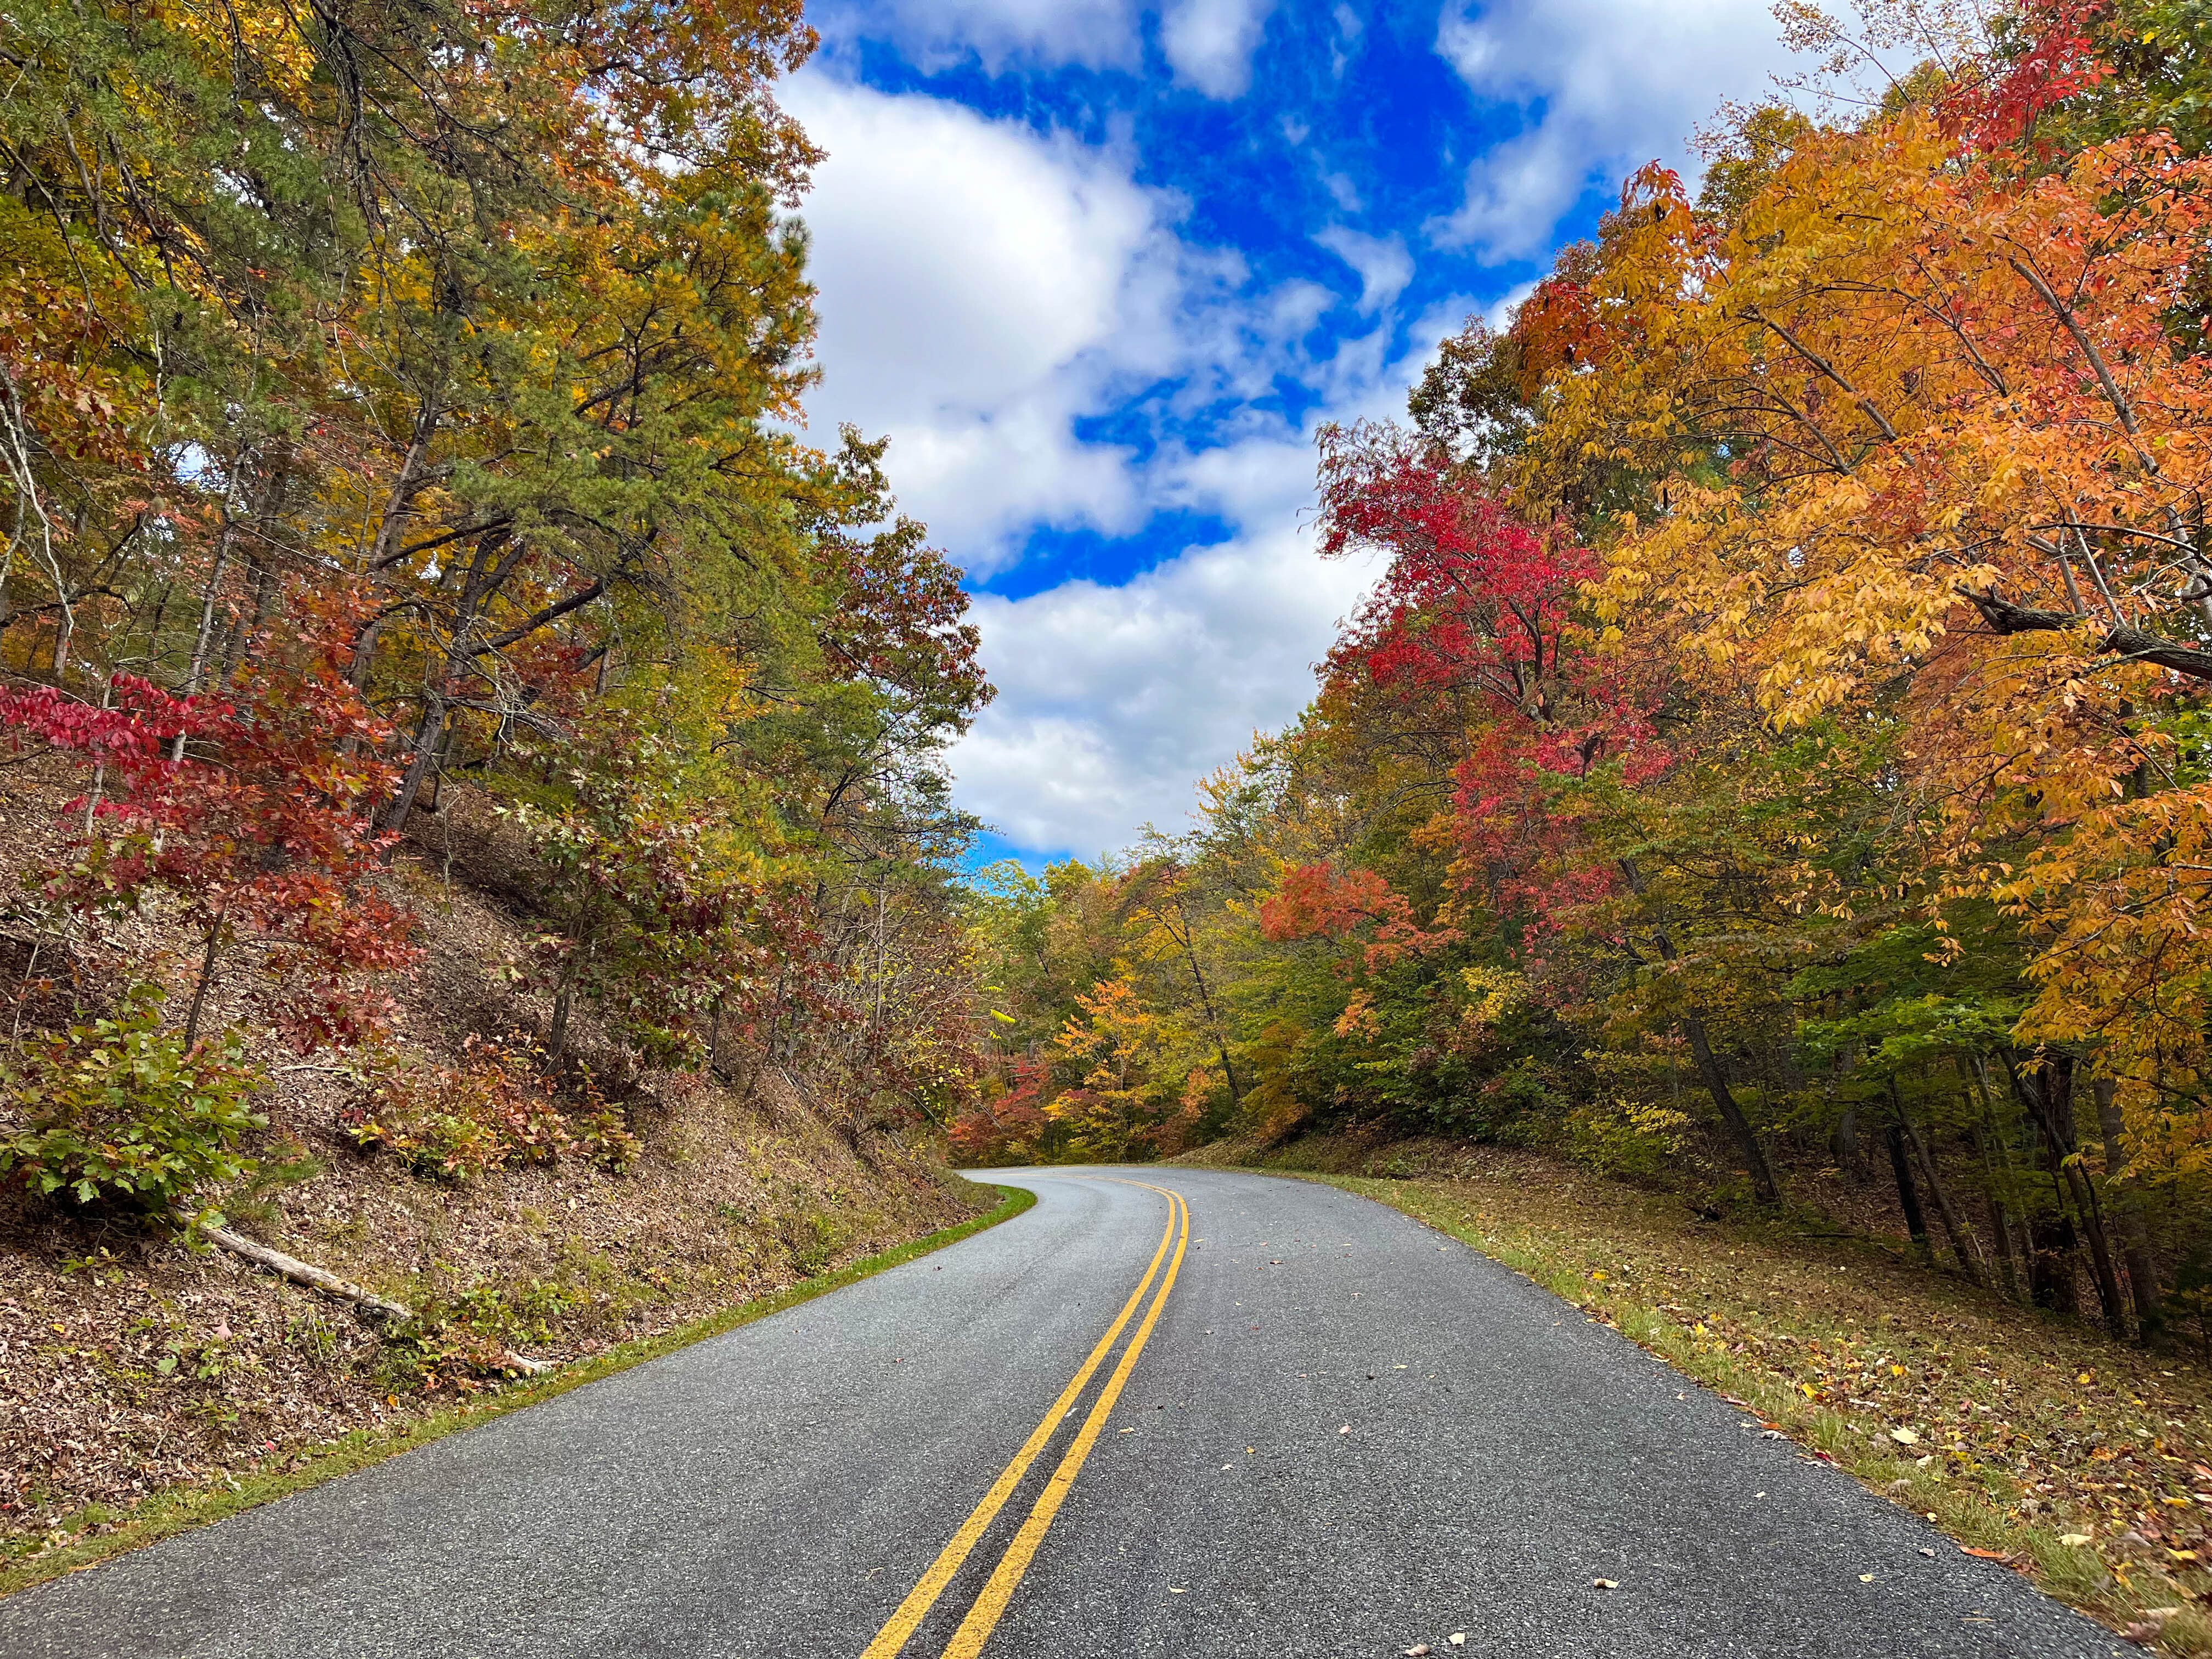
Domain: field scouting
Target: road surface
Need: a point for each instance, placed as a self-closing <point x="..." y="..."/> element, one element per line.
<point x="1165" y="1412"/>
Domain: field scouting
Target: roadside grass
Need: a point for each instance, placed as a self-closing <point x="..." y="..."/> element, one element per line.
<point x="176" y="1508"/>
<point x="2084" y="1465"/>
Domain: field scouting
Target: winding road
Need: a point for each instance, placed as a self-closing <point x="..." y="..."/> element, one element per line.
<point x="1165" y="1412"/>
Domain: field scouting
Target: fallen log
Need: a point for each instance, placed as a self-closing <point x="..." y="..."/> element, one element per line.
<point x="369" y="1305"/>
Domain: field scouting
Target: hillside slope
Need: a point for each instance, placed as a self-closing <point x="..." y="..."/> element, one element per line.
<point x="132" y="1361"/>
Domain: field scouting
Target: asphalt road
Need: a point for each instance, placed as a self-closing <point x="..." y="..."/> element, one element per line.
<point x="1342" y="1435"/>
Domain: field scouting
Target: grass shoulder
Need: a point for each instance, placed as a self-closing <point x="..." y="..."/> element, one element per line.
<point x="177" y="1509"/>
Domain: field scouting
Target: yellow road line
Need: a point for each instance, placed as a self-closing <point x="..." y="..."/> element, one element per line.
<point x="983" y="1618"/>
<point x="923" y="1597"/>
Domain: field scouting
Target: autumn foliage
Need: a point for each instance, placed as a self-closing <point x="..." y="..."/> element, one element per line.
<point x="397" y="419"/>
<point x="1773" y="757"/>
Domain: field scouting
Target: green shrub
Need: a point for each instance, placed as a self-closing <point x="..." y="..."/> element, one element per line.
<point x="1625" y="1138"/>
<point x="813" y="1240"/>
<point x="121" y="1108"/>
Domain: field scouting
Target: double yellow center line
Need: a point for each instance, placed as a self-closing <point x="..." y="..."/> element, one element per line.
<point x="991" y="1603"/>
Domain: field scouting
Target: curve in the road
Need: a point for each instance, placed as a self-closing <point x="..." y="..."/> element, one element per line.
<point x="1329" y="1432"/>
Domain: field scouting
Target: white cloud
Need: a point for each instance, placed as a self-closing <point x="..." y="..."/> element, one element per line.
<point x="981" y="286"/>
<point x="984" y="287"/>
<point x="1113" y="702"/>
<point x="1100" y="33"/>
<point x="1349" y="26"/>
<point x="1382" y="263"/>
<point x="1210" y="43"/>
<point x="1610" y="84"/>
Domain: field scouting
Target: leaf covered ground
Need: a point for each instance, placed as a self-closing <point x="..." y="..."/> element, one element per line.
<point x="2085" y="1465"/>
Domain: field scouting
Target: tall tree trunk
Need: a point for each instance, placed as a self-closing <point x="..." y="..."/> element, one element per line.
<point x="2001" y="1222"/>
<point x="564" y="996"/>
<point x="1205" y="1002"/>
<point x="493" y="561"/>
<point x="208" y="960"/>
<point x="2110" y="1296"/>
<point x="1746" y="1138"/>
<point x="1956" y="1229"/>
<point x="1908" y="1200"/>
<point x="2049" y="1097"/>
<point x="1843" y="1142"/>
<point x="391" y="528"/>
<point x="1716" y="1081"/>
<point x="258" y="548"/>
<point x="2127" y="1205"/>
<point x="195" y="676"/>
<point x="422" y="755"/>
<point x="2011" y="1222"/>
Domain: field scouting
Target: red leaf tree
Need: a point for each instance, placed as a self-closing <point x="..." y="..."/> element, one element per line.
<point x="256" y="825"/>
<point x="1475" y="620"/>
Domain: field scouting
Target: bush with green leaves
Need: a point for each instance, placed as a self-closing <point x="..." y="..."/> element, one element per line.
<point x="118" y="1109"/>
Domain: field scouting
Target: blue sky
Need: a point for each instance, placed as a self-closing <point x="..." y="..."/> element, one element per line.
<point x="1100" y="269"/>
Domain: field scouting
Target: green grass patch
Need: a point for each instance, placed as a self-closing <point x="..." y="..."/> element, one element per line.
<point x="176" y="1508"/>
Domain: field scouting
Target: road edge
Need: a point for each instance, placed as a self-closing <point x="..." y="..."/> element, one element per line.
<point x="179" y="1509"/>
<point x="1966" y="1518"/>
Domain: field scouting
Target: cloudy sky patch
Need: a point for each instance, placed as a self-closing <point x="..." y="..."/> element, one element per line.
<point x="1100" y="270"/>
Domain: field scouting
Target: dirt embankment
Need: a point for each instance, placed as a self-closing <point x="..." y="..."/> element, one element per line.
<point x="132" y="1361"/>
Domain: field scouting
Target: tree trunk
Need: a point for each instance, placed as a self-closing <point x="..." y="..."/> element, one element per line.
<point x="259" y="547"/>
<point x="1205" y="1002"/>
<point x="1916" y="1224"/>
<point x="1843" y="1142"/>
<point x="372" y="1308"/>
<point x="2001" y="1223"/>
<point x="495" y="557"/>
<point x="1956" y="1228"/>
<point x="205" y="638"/>
<point x="556" y="1041"/>
<point x="2015" y="1248"/>
<point x="2050" y="1100"/>
<point x="367" y="1303"/>
<point x="207" y="978"/>
<point x="564" y="996"/>
<point x="1716" y="1081"/>
<point x="391" y="528"/>
<point x="2134" y="1232"/>
<point x="429" y="732"/>
<point x="1746" y="1138"/>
